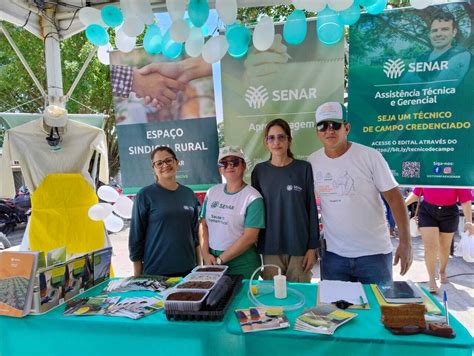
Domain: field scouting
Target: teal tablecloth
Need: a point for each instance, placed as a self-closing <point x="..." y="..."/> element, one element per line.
<point x="54" y="334"/>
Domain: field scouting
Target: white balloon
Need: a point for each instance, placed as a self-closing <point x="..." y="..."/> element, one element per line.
<point x="179" y="30"/>
<point x="340" y="5"/>
<point x="123" y="42"/>
<point x="107" y="193"/>
<point x="99" y="211"/>
<point x="90" y="15"/>
<point x="127" y="8"/>
<point x="103" y="53"/>
<point x="214" y="49"/>
<point x="264" y="34"/>
<point x="195" y="42"/>
<point x="113" y="223"/>
<point x="310" y="5"/>
<point x="143" y="10"/>
<point x="123" y="207"/>
<point x="227" y="10"/>
<point x="133" y="26"/>
<point x="176" y="8"/>
<point x="421" y="4"/>
<point x="95" y="212"/>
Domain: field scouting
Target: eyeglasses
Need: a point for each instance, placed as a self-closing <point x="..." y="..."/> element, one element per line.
<point x="231" y="162"/>
<point x="324" y="126"/>
<point x="279" y="137"/>
<point x="168" y="161"/>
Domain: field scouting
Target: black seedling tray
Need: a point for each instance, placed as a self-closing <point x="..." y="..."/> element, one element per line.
<point x="206" y="313"/>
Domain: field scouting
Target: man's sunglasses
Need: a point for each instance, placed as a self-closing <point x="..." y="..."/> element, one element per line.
<point x="324" y="126"/>
<point x="168" y="161"/>
<point x="279" y="137"/>
<point x="231" y="162"/>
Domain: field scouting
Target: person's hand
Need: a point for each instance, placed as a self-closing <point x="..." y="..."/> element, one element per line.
<point x="156" y="86"/>
<point x="267" y="63"/>
<point x="469" y="228"/>
<point x="309" y="260"/>
<point x="404" y="255"/>
<point x="208" y="258"/>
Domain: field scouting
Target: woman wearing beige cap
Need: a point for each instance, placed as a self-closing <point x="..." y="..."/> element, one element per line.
<point x="232" y="216"/>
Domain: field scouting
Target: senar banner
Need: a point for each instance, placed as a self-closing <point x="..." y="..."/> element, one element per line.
<point x="411" y="90"/>
<point x="180" y="114"/>
<point x="287" y="82"/>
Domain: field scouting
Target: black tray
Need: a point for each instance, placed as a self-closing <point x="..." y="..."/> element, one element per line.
<point x="215" y="313"/>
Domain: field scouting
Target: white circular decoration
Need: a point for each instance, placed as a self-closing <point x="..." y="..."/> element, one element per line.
<point x="90" y="15"/>
<point x="176" y="8"/>
<point x="123" y="207"/>
<point x="195" y="42"/>
<point x="123" y="42"/>
<point x="99" y="211"/>
<point x="340" y="5"/>
<point x="113" y="223"/>
<point x="107" y="194"/>
<point x="214" y="49"/>
<point x="103" y="53"/>
<point x="179" y="30"/>
<point x="133" y="26"/>
<point x="421" y="4"/>
<point x="227" y="10"/>
<point x="264" y="34"/>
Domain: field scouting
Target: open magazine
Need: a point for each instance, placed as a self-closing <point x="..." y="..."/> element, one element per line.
<point x="261" y="319"/>
<point x="322" y="320"/>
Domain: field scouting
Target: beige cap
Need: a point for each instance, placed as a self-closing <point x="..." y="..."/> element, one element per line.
<point x="227" y="151"/>
<point x="55" y="116"/>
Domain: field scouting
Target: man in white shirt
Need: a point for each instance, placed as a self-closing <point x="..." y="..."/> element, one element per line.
<point x="349" y="179"/>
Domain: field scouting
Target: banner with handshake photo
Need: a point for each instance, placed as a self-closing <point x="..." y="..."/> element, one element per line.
<point x="285" y="81"/>
<point x="164" y="103"/>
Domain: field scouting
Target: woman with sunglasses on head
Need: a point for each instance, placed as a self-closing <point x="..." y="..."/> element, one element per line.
<point x="164" y="230"/>
<point x="232" y="217"/>
<point x="291" y="236"/>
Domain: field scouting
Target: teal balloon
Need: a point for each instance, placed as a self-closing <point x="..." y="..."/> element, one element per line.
<point x="171" y="49"/>
<point x="351" y="15"/>
<point x="112" y="15"/>
<point x="377" y="8"/>
<point x="153" y="41"/>
<point x="97" y="35"/>
<point x="367" y="3"/>
<point x="198" y="11"/>
<point x="238" y="37"/>
<point x="295" y="28"/>
<point x="328" y="28"/>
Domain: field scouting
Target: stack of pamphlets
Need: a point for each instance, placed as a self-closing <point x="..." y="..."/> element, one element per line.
<point x="134" y="308"/>
<point x="400" y="292"/>
<point x="322" y="320"/>
<point x="150" y="283"/>
<point x="90" y="306"/>
<point x="261" y="319"/>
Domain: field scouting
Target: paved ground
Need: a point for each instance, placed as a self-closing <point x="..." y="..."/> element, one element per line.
<point x="460" y="289"/>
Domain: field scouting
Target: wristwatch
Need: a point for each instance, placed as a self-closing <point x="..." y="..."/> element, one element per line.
<point x="218" y="261"/>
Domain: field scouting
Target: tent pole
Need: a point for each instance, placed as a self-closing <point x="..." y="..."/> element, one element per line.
<point x="81" y="72"/>
<point x="52" y="55"/>
<point x="23" y="60"/>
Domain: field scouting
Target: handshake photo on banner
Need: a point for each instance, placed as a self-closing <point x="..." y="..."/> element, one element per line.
<point x="162" y="91"/>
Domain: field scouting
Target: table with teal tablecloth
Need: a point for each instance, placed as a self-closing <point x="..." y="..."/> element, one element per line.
<point x="55" y="334"/>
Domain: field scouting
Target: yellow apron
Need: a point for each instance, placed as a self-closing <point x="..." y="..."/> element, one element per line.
<point x="59" y="215"/>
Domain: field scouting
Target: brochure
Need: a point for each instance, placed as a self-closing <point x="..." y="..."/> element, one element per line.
<point x="322" y="319"/>
<point x="135" y="308"/>
<point x="17" y="270"/>
<point x="50" y="284"/>
<point x="101" y="262"/>
<point x="261" y="319"/>
<point x="90" y="306"/>
<point x="150" y="283"/>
